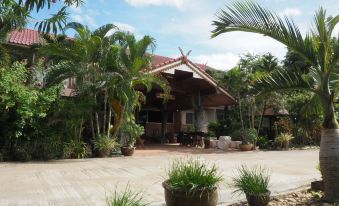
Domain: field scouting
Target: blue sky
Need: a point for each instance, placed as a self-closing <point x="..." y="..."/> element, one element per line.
<point x="187" y="23"/>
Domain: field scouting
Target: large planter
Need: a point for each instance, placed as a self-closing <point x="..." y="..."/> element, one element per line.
<point x="245" y="147"/>
<point x="258" y="199"/>
<point x="104" y="153"/>
<point x="181" y="197"/>
<point x="127" y="151"/>
<point x="329" y="163"/>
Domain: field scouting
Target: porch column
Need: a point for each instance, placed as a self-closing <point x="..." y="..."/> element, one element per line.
<point x="164" y="117"/>
<point x="198" y="113"/>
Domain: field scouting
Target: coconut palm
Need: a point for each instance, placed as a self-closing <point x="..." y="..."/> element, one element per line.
<point x="319" y="49"/>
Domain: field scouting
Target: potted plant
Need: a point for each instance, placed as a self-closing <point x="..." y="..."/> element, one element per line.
<point x="254" y="184"/>
<point x="247" y="136"/>
<point x="284" y="139"/>
<point x="191" y="182"/>
<point x="129" y="132"/>
<point x="104" y="145"/>
<point x="126" y="198"/>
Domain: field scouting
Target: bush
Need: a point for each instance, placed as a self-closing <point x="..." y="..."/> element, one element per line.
<point x="47" y="147"/>
<point x="193" y="175"/>
<point x="284" y="137"/>
<point x="251" y="181"/>
<point x="126" y="198"/>
<point x="262" y="142"/>
<point x="247" y="136"/>
<point x="75" y="149"/>
<point x="21" y="152"/>
<point x="105" y="143"/>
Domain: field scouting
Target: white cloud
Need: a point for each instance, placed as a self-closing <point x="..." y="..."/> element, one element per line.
<point x="85" y="19"/>
<point x="124" y="27"/>
<point x="221" y="61"/>
<point x="136" y="3"/>
<point x="290" y="12"/>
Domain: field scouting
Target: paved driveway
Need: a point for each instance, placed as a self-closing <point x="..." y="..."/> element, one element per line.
<point x="90" y="181"/>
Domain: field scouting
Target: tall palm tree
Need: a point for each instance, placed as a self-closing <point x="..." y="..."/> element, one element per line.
<point x="319" y="49"/>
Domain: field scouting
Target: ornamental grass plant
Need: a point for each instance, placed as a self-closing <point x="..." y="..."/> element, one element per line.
<point x="126" y="198"/>
<point x="254" y="181"/>
<point x="193" y="174"/>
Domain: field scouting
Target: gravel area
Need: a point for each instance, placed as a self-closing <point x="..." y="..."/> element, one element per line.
<point x="300" y="198"/>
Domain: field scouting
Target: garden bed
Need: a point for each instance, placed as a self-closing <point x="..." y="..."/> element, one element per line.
<point x="304" y="197"/>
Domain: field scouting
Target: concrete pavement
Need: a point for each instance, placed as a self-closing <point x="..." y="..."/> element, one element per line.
<point x="90" y="181"/>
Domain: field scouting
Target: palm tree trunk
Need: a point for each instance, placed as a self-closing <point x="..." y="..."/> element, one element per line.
<point x="109" y="120"/>
<point x="105" y="113"/>
<point x="240" y="111"/>
<point x="329" y="155"/>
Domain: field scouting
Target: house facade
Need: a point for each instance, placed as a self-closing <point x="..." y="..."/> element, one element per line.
<point x="195" y="100"/>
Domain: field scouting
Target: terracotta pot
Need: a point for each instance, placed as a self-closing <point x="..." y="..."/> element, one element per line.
<point x="207" y="143"/>
<point x="258" y="199"/>
<point x="104" y="153"/>
<point x="177" y="197"/>
<point x="127" y="151"/>
<point x="245" y="147"/>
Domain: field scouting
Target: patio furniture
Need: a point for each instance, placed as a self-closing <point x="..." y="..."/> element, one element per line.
<point x="223" y="142"/>
<point x="214" y="143"/>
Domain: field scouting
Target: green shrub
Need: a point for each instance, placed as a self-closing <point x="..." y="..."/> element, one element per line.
<point x="262" y="142"/>
<point x="247" y="136"/>
<point x="105" y="143"/>
<point x="284" y="137"/>
<point x="47" y="147"/>
<point x="75" y="149"/>
<point x="192" y="175"/>
<point x="21" y="152"/>
<point x="251" y="181"/>
<point x="129" y="132"/>
<point x="126" y="198"/>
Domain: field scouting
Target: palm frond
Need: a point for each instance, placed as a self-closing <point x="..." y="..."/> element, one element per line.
<point x="55" y="23"/>
<point x="248" y="16"/>
<point x="312" y="107"/>
<point x="281" y="80"/>
<point x="103" y="30"/>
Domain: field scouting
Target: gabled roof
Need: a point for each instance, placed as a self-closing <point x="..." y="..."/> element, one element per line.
<point x="173" y="63"/>
<point x="159" y="61"/>
<point x="25" y="37"/>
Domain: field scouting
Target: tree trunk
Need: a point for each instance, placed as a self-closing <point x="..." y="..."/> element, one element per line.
<point x="329" y="150"/>
<point x="240" y="111"/>
<point x="329" y="163"/>
<point x="109" y="120"/>
<point x="105" y="113"/>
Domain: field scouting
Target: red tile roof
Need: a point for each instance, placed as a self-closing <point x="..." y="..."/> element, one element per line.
<point x="27" y="37"/>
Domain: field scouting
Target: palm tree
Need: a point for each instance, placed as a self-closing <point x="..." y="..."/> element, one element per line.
<point x="135" y="61"/>
<point x="83" y="59"/>
<point x="319" y="49"/>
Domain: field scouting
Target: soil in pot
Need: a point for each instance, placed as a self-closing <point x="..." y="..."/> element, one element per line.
<point x="258" y="199"/>
<point x="245" y="147"/>
<point x="181" y="197"/>
<point x="127" y="151"/>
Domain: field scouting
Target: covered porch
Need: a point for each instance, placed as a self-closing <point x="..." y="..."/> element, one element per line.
<point x="195" y="100"/>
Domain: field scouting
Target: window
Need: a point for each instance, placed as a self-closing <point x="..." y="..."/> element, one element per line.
<point x="220" y="113"/>
<point x="189" y="118"/>
<point x="143" y="116"/>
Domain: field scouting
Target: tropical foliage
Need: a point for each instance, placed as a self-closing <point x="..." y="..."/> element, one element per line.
<point x="319" y="49"/>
